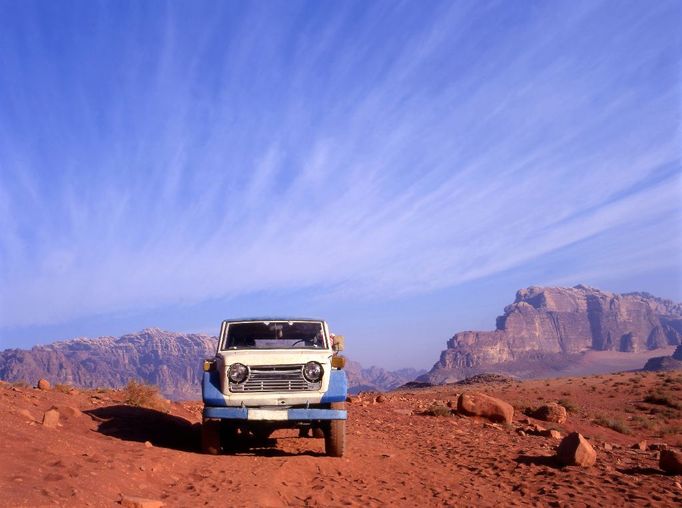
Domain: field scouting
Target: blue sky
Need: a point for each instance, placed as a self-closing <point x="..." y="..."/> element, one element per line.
<point x="400" y="168"/>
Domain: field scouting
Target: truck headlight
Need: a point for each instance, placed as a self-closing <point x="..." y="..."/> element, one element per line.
<point x="237" y="373"/>
<point x="313" y="371"/>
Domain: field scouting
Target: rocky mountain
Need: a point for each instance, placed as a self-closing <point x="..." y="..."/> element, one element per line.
<point x="169" y="360"/>
<point x="550" y="325"/>
<point x="377" y="379"/>
<point x="673" y="362"/>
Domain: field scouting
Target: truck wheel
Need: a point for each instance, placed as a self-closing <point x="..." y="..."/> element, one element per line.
<point x="335" y="434"/>
<point x="210" y="436"/>
<point x="318" y="432"/>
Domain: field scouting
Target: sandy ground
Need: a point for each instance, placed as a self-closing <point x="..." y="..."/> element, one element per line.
<point x="395" y="455"/>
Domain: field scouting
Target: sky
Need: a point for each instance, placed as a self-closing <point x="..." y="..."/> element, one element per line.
<point x="397" y="168"/>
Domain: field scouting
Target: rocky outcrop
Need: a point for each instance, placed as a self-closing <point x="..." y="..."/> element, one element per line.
<point x="172" y="361"/>
<point x="169" y="360"/>
<point x="555" y="323"/>
<point x="660" y="363"/>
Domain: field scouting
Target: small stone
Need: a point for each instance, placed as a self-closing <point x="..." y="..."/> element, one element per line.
<point x="554" y="434"/>
<point x="608" y="447"/>
<point x="452" y="404"/>
<point x="380" y="399"/>
<point x="640" y="446"/>
<point x="44" y="384"/>
<point x="140" y="502"/>
<point x="574" y="449"/>
<point x="148" y="444"/>
<point x="671" y="461"/>
<point x="51" y="418"/>
<point x="520" y="432"/>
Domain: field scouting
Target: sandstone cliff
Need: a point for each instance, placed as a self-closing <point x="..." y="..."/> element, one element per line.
<point x="169" y="360"/>
<point x="552" y="324"/>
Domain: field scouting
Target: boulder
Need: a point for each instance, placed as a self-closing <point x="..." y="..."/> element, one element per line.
<point x="551" y="412"/>
<point x="479" y="404"/>
<point x="575" y="450"/>
<point x="51" y="418"/>
<point x="44" y="384"/>
<point x="670" y="461"/>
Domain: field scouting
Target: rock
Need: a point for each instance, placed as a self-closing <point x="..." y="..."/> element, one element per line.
<point x="553" y="434"/>
<point x="148" y="444"/>
<point x="545" y="321"/>
<point x="640" y="446"/>
<point x="452" y="404"/>
<point x="551" y="412"/>
<point x="51" y="418"/>
<point x="140" y="502"/>
<point x="44" y="384"/>
<point x="670" y="461"/>
<point x="479" y="404"/>
<point x="608" y="447"/>
<point x="380" y="399"/>
<point x="26" y="414"/>
<point x="575" y="450"/>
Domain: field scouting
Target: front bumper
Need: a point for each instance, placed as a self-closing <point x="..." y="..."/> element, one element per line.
<point x="301" y="414"/>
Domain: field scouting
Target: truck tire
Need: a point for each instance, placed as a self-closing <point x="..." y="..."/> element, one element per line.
<point x="318" y="432"/>
<point x="210" y="437"/>
<point x="335" y="434"/>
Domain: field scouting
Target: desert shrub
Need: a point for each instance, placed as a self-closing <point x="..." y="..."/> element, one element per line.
<point x="21" y="384"/>
<point x="438" y="410"/>
<point x="140" y="394"/>
<point x="63" y="388"/>
<point x="569" y="405"/>
<point x="662" y="400"/>
<point x="613" y="424"/>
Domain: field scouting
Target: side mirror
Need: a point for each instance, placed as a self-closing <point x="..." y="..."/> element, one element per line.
<point x="338" y="343"/>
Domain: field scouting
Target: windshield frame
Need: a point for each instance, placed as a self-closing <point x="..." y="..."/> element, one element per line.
<point x="224" y="333"/>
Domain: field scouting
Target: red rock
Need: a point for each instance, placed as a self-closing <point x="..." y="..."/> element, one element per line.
<point x="551" y="412"/>
<point x="479" y="404"/>
<point x="140" y="502"/>
<point x="380" y="398"/>
<point x="44" y="384"/>
<point x="670" y="461"/>
<point x="640" y="446"/>
<point x="51" y="418"/>
<point x="575" y="450"/>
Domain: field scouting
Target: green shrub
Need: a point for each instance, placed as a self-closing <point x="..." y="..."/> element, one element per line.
<point x="438" y="410"/>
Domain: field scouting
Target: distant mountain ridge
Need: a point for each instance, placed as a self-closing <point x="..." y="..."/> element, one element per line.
<point x="169" y="360"/>
<point x="548" y="326"/>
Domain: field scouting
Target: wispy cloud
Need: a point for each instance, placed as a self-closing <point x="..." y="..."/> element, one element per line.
<point x="175" y="157"/>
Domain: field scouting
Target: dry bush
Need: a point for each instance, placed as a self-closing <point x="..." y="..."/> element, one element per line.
<point x="140" y="394"/>
<point x="613" y="424"/>
<point x="438" y="410"/>
<point x="568" y="404"/>
<point x="63" y="388"/>
<point x="662" y="399"/>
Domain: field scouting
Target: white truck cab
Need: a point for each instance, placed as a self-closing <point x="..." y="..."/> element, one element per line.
<point x="271" y="373"/>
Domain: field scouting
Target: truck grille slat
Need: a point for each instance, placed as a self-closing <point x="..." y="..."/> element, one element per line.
<point x="275" y="378"/>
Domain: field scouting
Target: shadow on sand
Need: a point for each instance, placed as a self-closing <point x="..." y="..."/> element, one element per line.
<point x="141" y="424"/>
<point x="538" y="460"/>
<point x="164" y="430"/>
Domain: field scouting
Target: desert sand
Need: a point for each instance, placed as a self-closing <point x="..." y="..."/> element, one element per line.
<point x="101" y="451"/>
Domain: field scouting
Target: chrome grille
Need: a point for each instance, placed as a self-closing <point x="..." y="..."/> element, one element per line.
<point x="275" y="378"/>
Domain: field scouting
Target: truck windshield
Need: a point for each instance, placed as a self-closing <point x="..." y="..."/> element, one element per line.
<point x="275" y="335"/>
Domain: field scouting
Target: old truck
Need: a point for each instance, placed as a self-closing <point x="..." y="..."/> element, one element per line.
<point x="274" y="373"/>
